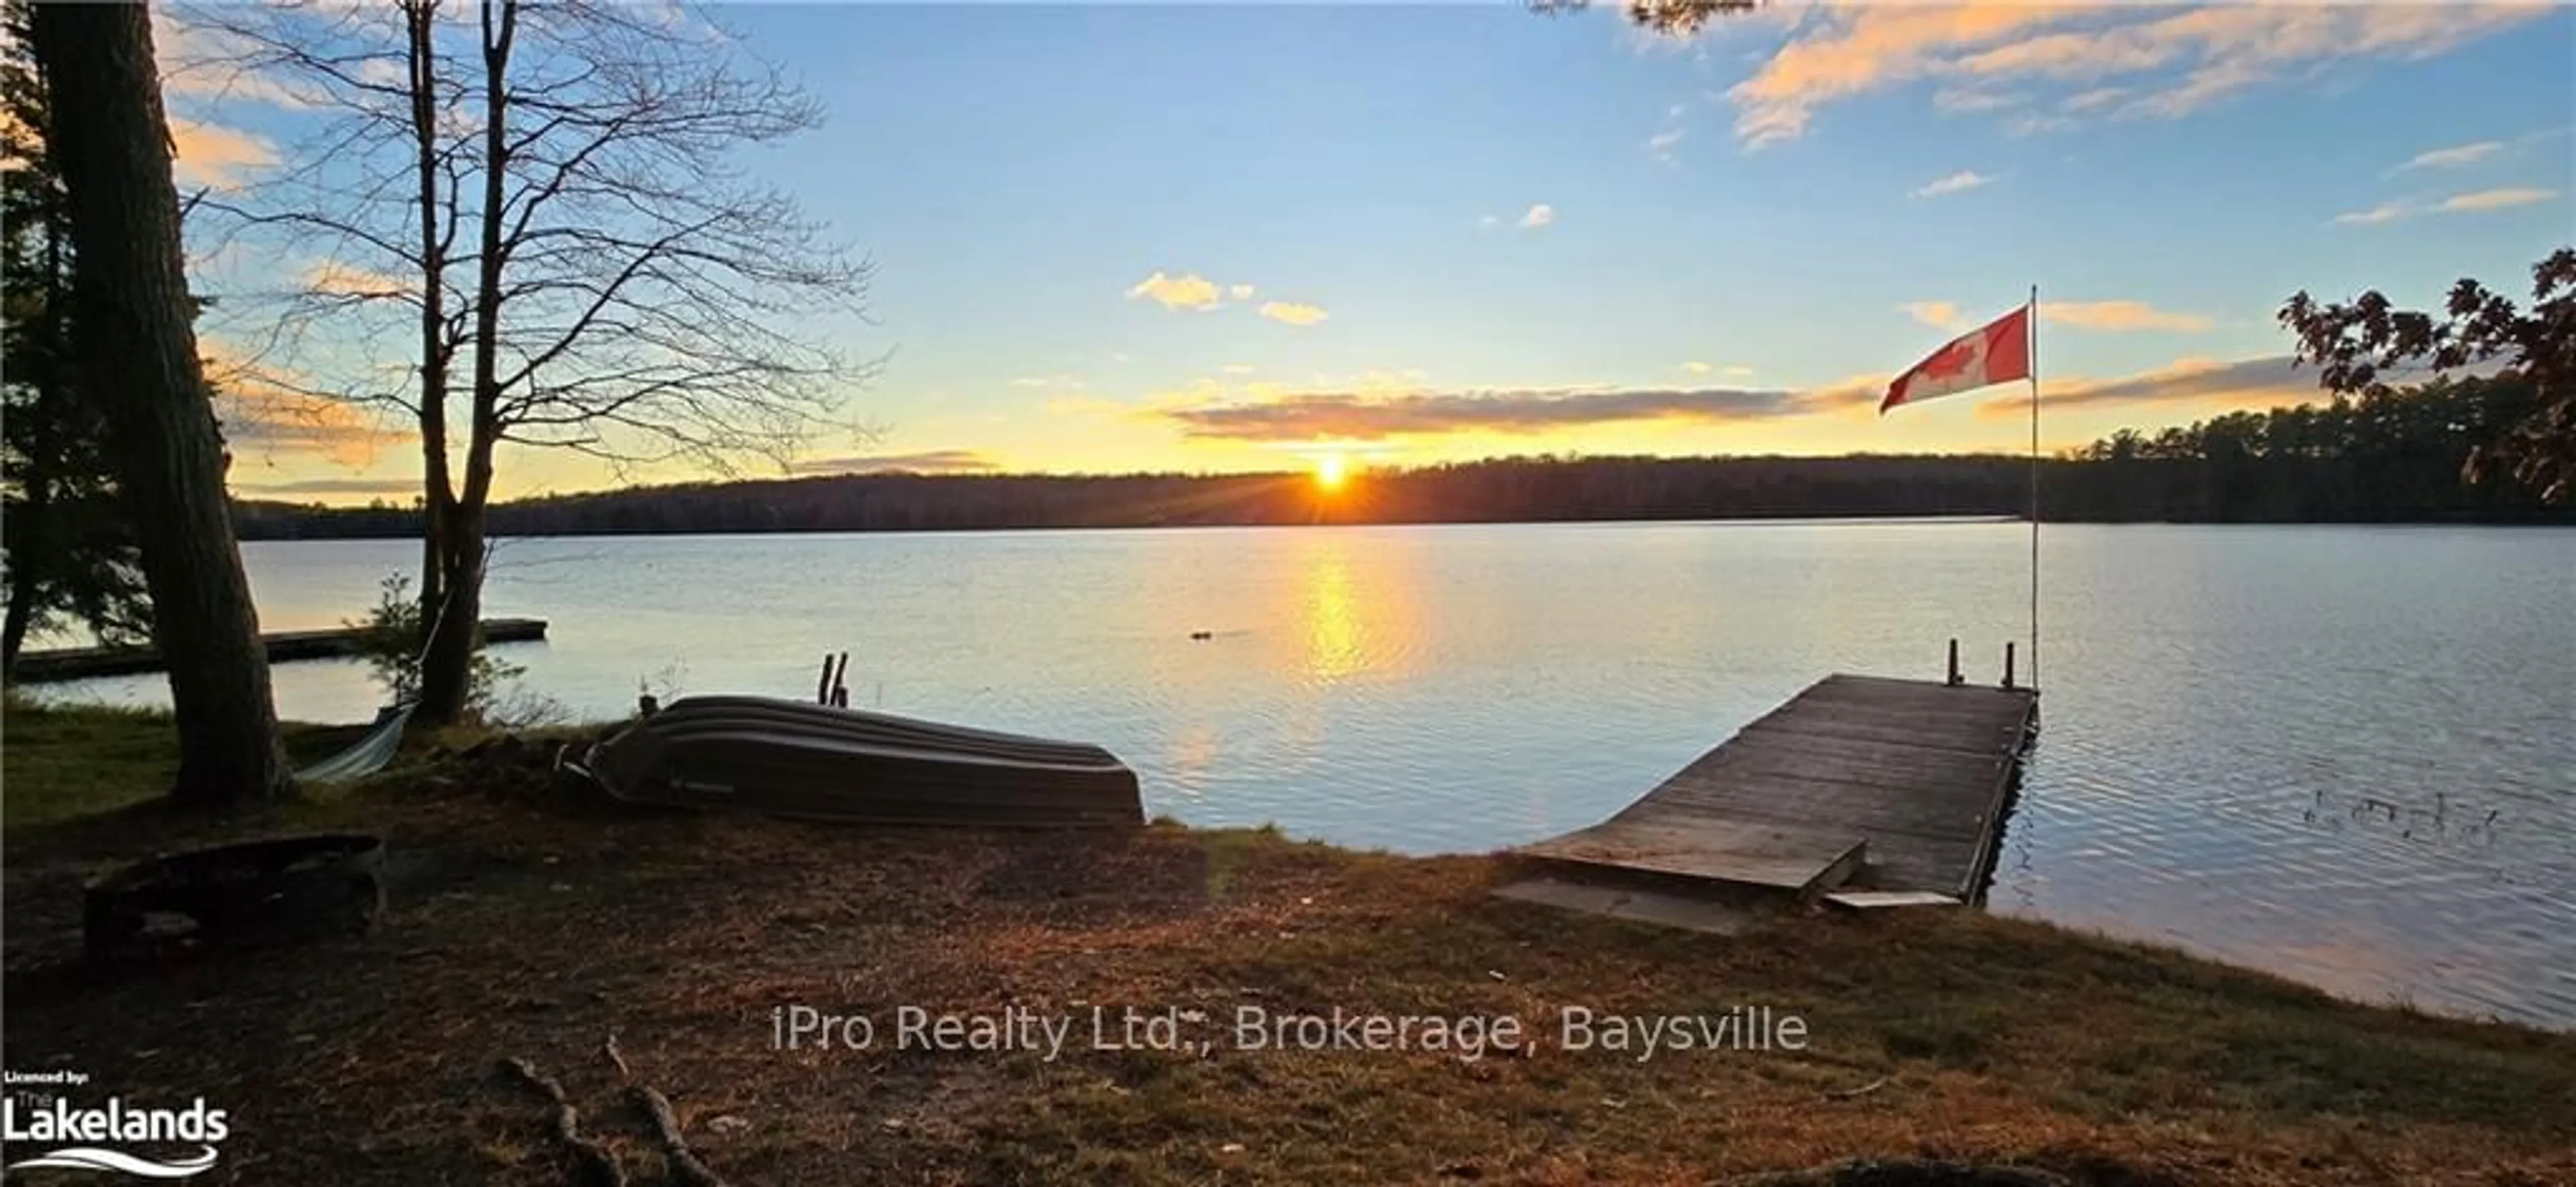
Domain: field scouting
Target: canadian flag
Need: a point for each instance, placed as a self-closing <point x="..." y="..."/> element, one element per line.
<point x="1997" y="352"/>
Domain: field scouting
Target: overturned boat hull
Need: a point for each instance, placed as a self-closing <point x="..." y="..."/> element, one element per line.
<point x="790" y="758"/>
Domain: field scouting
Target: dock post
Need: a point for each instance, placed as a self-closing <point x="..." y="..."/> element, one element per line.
<point x="823" y="687"/>
<point x="1955" y="678"/>
<point x="2008" y="664"/>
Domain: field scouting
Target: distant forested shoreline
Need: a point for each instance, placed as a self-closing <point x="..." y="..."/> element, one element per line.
<point x="2392" y="457"/>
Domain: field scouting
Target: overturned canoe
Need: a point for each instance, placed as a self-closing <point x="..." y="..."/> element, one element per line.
<point x="790" y="758"/>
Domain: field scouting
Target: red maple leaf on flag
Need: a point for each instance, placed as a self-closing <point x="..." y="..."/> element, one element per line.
<point x="1951" y="360"/>
<point x="1995" y="352"/>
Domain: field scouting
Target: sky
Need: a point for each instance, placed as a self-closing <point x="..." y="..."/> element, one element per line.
<point x="1224" y="237"/>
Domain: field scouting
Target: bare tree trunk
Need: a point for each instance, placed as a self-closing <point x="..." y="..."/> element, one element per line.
<point x="137" y="347"/>
<point x="35" y="539"/>
<point x="447" y="666"/>
<point x="420" y="24"/>
<point x="13" y="624"/>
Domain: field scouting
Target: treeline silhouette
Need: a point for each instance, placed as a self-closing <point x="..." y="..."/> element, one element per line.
<point x="2392" y="457"/>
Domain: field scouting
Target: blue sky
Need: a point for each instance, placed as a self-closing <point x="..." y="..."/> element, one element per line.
<point x="1722" y="234"/>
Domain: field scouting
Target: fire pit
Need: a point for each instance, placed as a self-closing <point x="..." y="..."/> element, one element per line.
<point x="261" y="892"/>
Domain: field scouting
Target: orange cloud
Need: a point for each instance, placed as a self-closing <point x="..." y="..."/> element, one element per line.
<point x="2086" y="315"/>
<point x="1376" y="416"/>
<point x="2121" y="315"/>
<point x="216" y="157"/>
<point x="271" y="413"/>
<point x="341" y="279"/>
<point x="2205" y="54"/>
<point x="936" y="461"/>
<point x="1852" y="51"/>
<point x="397" y="489"/>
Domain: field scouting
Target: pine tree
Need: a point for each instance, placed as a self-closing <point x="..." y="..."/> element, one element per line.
<point x="69" y="556"/>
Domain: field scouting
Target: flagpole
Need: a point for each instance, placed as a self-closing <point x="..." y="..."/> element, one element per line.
<point x="2034" y="487"/>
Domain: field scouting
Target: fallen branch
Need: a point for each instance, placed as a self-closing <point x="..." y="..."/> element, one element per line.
<point x="666" y="1129"/>
<point x="595" y="1166"/>
<point x="1863" y="1090"/>
<point x="613" y="1057"/>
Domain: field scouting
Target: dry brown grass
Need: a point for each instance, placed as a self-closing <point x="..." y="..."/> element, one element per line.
<point x="524" y="926"/>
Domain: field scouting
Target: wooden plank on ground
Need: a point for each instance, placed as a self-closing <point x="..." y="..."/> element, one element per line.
<point x="1631" y="903"/>
<point x="1872" y="900"/>
<point x="1752" y="852"/>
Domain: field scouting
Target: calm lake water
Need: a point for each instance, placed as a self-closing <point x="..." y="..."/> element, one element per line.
<point x="2347" y="755"/>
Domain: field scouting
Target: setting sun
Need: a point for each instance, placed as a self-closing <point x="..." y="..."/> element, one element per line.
<point x="1331" y="470"/>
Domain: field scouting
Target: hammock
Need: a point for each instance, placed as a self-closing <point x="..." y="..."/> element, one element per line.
<point x="368" y="756"/>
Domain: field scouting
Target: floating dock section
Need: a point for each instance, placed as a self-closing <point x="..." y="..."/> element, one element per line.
<point x="79" y="663"/>
<point x="1869" y="791"/>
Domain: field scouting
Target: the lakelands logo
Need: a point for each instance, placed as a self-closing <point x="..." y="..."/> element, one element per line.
<point x="85" y="1137"/>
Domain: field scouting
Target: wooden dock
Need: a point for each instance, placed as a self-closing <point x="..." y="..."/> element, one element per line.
<point x="1861" y="784"/>
<point x="79" y="663"/>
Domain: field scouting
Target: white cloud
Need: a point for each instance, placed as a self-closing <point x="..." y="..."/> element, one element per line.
<point x="2498" y="199"/>
<point x="1490" y="221"/>
<point x="1538" y="216"/>
<point x="1188" y="291"/>
<point x="1240" y="292"/>
<point x="2095" y="99"/>
<point x="1969" y="99"/>
<point x="1959" y="182"/>
<point x="1932" y="313"/>
<point x="1293" y="313"/>
<point x="2384" y="212"/>
<point x="2032" y="123"/>
<point x="1698" y="368"/>
<point x="2454" y="157"/>
<point x="1662" y="143"/>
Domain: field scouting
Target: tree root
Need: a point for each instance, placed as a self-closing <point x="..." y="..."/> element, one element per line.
<point x="1863" y="1090"/>
<point x="594" y="1166"/>
<point x="666" y="1129"/>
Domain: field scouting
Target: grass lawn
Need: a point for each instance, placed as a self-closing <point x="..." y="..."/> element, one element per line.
<point x="527" y="922"/>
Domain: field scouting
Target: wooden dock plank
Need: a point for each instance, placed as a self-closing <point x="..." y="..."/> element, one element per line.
<point x="1913" y="774"/>
<point x="1985" y="737"/>
<point x="1840" y="760"/>
<point x="1782" y="799"/>
<point x="79" y="663"/>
